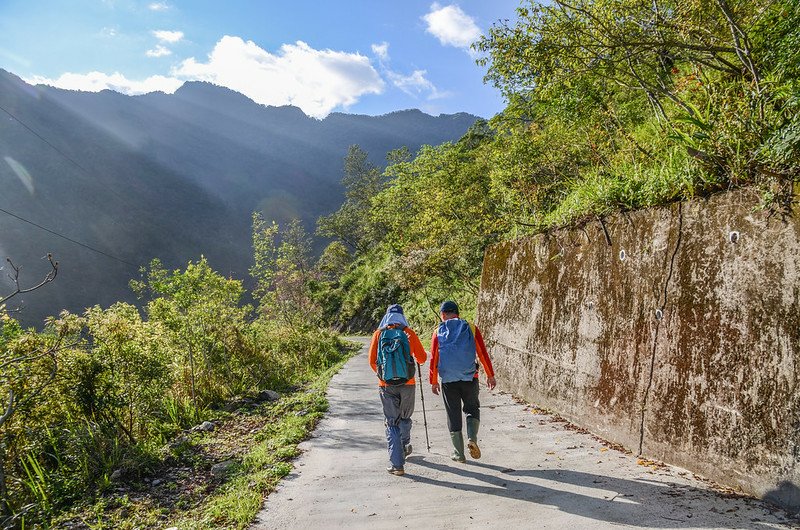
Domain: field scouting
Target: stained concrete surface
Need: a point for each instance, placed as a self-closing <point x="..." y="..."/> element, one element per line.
<point x="673" y="331"/>
<point x="536" y="472"/>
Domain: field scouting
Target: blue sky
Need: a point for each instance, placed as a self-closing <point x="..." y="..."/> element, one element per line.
<point x="357" y="56"/>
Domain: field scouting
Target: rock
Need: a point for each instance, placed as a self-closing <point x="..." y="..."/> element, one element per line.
<point x="116" y="476"/>
<point x="268" y="395"/>
<point x="301" y="412"/>
<point x="206" y="426"/>
<point x="156" y="482"/>
<point x="221" y="469"/>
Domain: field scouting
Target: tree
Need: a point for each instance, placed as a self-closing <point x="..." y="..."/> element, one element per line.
<point x="440" y="213"/>
<point x="351" y="223"/>
<point x="334" y="261"/>
<point x="265" y="255"/>
<point x="705" y="69"/>
<point x="18" y="289"/>
<point x="200" y="310"/>
<point x="128" y="368"/>
<point x="27" y="367"/>
<point x="284" y="271"/>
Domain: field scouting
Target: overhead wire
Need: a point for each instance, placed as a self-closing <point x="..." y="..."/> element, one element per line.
<point x="84" y="245"/>
<point x="45" y="140"/>
<point x="76" y="164"/>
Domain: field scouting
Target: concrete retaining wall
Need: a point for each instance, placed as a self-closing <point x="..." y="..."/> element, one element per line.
<point x="674" y="332"/>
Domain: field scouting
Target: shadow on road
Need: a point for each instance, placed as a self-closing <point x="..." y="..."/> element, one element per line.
<point x="606" y="498"/>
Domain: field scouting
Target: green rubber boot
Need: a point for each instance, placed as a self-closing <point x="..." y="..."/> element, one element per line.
<point x="472" y="434"/>
<point x="458" y="447"/>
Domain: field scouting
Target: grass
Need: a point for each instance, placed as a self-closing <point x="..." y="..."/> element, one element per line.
<point x="260" y="439"/>
<point x="236" y="504"/>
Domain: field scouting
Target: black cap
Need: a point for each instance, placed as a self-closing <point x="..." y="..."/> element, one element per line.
<point x="448" y="306"/>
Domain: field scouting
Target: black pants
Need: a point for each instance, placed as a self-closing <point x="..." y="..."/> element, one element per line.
<point x="456" y="393"/>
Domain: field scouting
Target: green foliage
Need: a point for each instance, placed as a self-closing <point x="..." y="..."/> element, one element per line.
<point x="612" y="105"/>
<point x="352" y="223"/>
<point x="440" y="213"/>
<point x="119" y="383"/>
<point x="200" y="313"/>
<point x="265" y="255"/>
<point x="359" y="297"/>
<point x="285" y="273"/>
<point x="716" y="78"/>
<point x="235" y="504"/>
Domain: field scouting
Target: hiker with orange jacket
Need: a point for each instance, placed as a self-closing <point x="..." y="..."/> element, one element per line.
<point x="457" y="348"/>
<point x="392" y="353"/>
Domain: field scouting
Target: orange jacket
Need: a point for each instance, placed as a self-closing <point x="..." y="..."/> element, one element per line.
<point x="416" y="350"/>
<point x="482" y="354"/>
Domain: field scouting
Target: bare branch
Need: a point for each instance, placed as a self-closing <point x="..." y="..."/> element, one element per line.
<point x="49" y="277"/>
<point x="743" y="50"/>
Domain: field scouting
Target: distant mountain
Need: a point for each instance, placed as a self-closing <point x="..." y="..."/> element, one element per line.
<point x="168" y="176"/>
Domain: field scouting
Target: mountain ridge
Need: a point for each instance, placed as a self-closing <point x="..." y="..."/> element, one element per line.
<point x="172" y="176"/>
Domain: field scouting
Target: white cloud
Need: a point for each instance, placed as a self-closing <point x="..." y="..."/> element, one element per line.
<point x="109" y="32"/>
<point x="97" y="81"/>
<point x="158" y="51"/>
<point x="168" y="36"/>
<point x="158" y="6"/>
<point x="381" y="50"/>
<point x="317" y="81"/>
<point x="451" y="26"/>
<point x="415" y="84"/>
<point x="411" y="84"/>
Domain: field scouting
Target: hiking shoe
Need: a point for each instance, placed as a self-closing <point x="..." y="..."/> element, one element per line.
<point x="407" y="449"/>
<point x="399" y="471"/>
<point x="474" y="450"/>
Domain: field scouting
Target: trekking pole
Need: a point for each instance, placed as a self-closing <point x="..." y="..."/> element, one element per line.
<point x="424" y="416"/>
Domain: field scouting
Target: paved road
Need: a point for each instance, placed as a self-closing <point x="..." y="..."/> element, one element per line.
<point x="534" y="473"/>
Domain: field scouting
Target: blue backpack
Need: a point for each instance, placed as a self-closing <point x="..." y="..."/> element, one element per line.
<point x="457" y="351"/>
<point x="395" y="364"/>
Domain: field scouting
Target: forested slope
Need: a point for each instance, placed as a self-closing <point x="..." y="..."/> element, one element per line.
<point x="613" y="105"/>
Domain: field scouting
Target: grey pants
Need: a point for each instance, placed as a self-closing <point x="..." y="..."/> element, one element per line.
<point x="398" y="406"/>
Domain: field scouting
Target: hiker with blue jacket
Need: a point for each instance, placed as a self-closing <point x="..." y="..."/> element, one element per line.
<point x="392" y="353"/>
<point x="457" y="348"/>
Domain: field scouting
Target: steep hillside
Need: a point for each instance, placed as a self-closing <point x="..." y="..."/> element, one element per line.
<point x="168" y="176"/>
<point x="89" y="186"/>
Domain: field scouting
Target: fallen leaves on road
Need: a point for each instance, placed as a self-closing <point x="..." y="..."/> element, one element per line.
<point x="652" y="464"/>
<point x="537" y="410"/>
